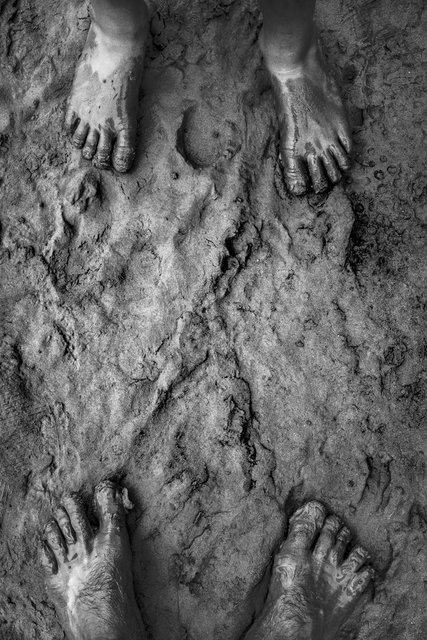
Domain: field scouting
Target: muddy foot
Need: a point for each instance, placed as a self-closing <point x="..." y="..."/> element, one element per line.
<point x="314" y="588"/>
<point x="103" y="105"/>
<point x="89" y="577"/>
<point x="315" y="137"/>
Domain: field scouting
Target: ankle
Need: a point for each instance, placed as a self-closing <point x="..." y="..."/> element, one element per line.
<point x="118" y="43"/>
<point x="122" y="27"/>
<point x="286" y="56"/>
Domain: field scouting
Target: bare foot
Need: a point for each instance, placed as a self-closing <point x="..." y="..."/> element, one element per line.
<point x="315" y="137"/>
<point x="89" y="577"/>
<point x="103" y="105"/>
<point x="313" y="590"/>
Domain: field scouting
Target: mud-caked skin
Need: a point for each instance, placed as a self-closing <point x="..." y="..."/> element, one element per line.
<point x="315" y="137"/>
<point x="315" y="585"/>
<point x="103" y="105"/>
<point x="89" y="575"/>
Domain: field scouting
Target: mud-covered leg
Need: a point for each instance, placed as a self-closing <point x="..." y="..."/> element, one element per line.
<point x="103" y="104"/>
<point x="312" y="591"/>
<point x="315" y="138"/>
<point x="89" y="575"/>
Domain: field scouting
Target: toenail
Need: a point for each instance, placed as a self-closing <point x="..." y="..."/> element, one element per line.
<point x="297" y="189"/>
<point x="333" y="523"/>
<point x="317" y="506"/>
<point x="306" y="518"/>
<point x="121" y="167"/>
<point x="106" y="486"/>
<point x="308" y="508"/>
<point x="305" y="527"/>
<point x="344" y="534"/>
<point x="50" y="526"/>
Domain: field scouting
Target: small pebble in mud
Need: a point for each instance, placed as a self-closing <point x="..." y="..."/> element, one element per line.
<point x="205" y="137"/>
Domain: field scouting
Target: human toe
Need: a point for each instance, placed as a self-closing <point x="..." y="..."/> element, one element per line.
<point x="360" y="582"/>
<point x="346" y="141"/>
<point x="326" y="538"/>
<point x="356" y="559"/>
<point x="338" y="551"/>
<point x="78" y="520"/>
<point x="65" y="526"/>
<point x="105" y="145"/>
<point x="71" y="119"/>
<point x="341" y="156"/>
<point x="56" y="542"/>
<point x="332" y="171"/>
<point x="79" y="136"/>
<point x="294" y="173"/>
<point x="108" y="503"/>
<point x="91" y="144"/>
<point x="318" y="178"/>
<point x="305" y="525"/>
<point x="123" y="154"/>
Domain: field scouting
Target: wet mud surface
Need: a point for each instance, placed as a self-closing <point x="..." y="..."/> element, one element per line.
<point x="226" y="350"/>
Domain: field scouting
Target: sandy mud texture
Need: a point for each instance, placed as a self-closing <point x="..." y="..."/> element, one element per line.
<point x="226" y="350"/>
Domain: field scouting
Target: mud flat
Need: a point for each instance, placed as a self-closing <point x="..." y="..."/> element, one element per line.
<point x="189" y="328"/>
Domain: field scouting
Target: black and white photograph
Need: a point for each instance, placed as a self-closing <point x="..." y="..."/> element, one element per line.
<point x="213" y="328"/>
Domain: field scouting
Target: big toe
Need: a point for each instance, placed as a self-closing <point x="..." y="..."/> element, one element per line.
<point x="294" y="173"/>
<point x="305" y="525"/>
<point x="124" y="153"/>
<point x="108" y="503"/>
<point x="91" y="144"/>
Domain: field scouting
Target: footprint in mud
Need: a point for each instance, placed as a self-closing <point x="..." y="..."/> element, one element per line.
<point x="80" y="188"/>
<point x="205" y="137"/>
<point x="20" y="416"/>
<point x="77" y="248"/>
